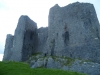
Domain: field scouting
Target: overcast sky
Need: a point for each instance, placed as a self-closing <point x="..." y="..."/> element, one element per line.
<point x="37" y="10"/>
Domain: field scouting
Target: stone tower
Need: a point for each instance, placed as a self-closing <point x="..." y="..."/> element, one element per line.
<point x="20" y="46"/>
<point x="73" y="31"/>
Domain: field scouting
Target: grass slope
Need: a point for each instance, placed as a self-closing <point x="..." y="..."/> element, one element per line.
<point x="19" y="68"/>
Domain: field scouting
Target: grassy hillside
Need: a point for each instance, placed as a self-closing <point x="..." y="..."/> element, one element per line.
<point x="19" y="68"/>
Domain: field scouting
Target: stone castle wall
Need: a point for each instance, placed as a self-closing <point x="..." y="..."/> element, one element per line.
<point x="24" y="40"/>
<point x="73" y="31"/>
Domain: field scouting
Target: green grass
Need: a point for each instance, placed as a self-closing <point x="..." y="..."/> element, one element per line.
<point x="19" y="68"/>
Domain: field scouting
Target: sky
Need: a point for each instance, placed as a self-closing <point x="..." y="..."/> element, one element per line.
<point x="37" y="10"/>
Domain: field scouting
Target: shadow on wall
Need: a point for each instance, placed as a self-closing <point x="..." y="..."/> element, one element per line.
<point x="66" y="35"/>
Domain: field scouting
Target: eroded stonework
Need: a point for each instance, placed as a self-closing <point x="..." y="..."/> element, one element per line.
<point x="24" y="41"/>
<point x="73" y="32"/>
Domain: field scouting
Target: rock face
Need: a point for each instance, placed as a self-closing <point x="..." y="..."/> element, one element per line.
<point x="62" y="63"/>
<point x="74" y="32"/>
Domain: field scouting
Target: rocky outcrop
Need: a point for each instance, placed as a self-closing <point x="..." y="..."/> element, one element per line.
<point x="64" y="63"/>
<point x="74" y="32"/>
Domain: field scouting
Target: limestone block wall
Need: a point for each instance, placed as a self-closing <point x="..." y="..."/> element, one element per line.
<point x="24" y="41"/>
<point x="72" y="29"/>
<point x="42" y="38"/>
<point x="8" y="46"/>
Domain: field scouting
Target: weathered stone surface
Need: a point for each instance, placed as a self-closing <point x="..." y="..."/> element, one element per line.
<point x="77" y="65"/>
<point x="8" y="46"/>
<point x="42" y="38"/>
<point x="39" y="63"/>
<point x="50" y="63"/>
<point x="25" y="39"/>
<point x="32" y="62"/>
<point x="74" y="31"/>
<point x="86" y="67"/>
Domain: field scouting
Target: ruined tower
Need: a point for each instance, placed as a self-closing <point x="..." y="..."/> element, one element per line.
<point x="24" y="41"/>
<point x="73" y="31"/>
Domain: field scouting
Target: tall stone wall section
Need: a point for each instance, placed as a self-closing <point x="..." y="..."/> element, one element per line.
<point x="8" y="46"/>
<point x="24" y="41"/>
<point x="74" y="31"/>
<point x="30" y="38"/>
<point x="42" y="38"/>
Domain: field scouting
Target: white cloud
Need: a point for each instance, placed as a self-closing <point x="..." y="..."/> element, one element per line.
<point x="1" y="56"/>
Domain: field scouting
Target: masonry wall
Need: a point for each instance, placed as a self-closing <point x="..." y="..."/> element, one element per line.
<point x="8" y="46"/>
<point x="73" y="31"/>
<point x="24" y="40"/>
